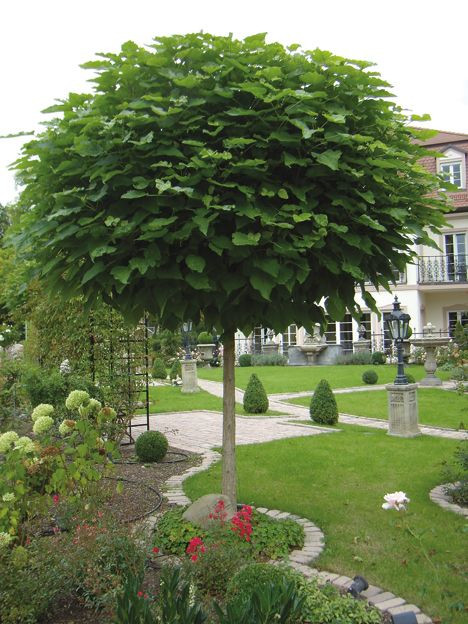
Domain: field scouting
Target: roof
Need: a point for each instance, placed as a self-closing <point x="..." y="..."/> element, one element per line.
<point x="444" y="136"/>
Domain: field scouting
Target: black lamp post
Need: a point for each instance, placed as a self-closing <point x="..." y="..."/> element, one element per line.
<point x="398" y="326"/>
<point x="186" y="329"/>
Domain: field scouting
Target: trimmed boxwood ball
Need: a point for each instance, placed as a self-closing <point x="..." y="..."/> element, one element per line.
<point x="323" y="408"/>
<point x="159" y="370"/>
<point x="255" y="398"/>
<point x="369" y="377"/>
<point x="151" y="446"/>
<point x="245" y="359"/>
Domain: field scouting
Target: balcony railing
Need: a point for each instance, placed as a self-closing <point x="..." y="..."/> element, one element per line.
<point x="450" y="269"/>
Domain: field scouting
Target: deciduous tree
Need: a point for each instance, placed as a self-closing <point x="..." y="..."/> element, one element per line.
<point x="240" y="180"/>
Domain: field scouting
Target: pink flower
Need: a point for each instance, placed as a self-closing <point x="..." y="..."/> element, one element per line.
<point x="140" y="594"/>
<point x="56" y="499"/>
<point x="396" y="500"/>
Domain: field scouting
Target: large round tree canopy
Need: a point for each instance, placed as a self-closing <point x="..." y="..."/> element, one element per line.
<point x="238" y="179"/>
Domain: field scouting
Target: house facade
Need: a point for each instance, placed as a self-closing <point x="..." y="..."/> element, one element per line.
<point x="434" y="289"/>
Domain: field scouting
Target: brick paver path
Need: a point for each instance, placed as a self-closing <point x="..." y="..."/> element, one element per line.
<point x="302" y="413"/>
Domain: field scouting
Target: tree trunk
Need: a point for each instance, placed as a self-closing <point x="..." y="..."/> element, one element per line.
<point x="229" y="420"/>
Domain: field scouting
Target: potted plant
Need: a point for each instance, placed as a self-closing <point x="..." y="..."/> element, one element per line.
<point x="206" y="345"/>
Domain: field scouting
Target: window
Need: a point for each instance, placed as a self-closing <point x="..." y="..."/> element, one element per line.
<point x="456" y="257"/>
<point x="452" y="167"/>
<point x="457" y="317"/>
<point x="289" y="337"/>
<point x="451" y="172"/>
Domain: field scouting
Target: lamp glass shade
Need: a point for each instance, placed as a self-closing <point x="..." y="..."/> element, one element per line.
<point x="187" y="326"/>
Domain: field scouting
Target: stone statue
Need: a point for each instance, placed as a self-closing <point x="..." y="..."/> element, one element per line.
<point x="362" y="332"/>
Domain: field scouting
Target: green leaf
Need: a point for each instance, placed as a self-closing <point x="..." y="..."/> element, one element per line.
<point x="102" y="251"/>
<point x="196" y="263"/>
<point x="306" y="131"/>
<point x="283" y="193"/>
<point x="199" y="281"/>
<point x="96" y="269"/>
<point x="262" y="284"/>
<point x="240" y="239"/>
<point x="133" y="194"/>
<point x="140" y="183"/>
<point x="122" y="273"/>
<point x="330" y="159"/>
<point x="162" y="185"/>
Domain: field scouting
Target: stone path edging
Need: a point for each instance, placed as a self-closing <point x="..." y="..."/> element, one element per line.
<point x="439" y="497"/>
<point x="314" y="543"/>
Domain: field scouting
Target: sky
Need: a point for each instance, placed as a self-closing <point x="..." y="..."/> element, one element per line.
<point x="419" y="46"/>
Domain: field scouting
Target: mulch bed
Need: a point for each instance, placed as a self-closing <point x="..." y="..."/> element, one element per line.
<point x="135" y="500"/>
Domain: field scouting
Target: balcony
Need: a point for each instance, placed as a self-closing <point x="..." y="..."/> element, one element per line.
<point x="449" y="269"/>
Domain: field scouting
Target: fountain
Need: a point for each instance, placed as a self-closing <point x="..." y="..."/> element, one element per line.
<point x="429" y="343"/>
<point x="313" y="346"/>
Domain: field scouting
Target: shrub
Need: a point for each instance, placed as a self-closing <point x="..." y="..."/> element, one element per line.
<point x="410" y="378"/>
<point x="378" y="357"/>
<point x="323" y="408"/>
<point x="255" y="398"/>
<point x="269" y="359"/>
<point x="257" y="576"/>
<point x="245" y="359"/>
<point x="176" y="369"/>
<point x="151" y="446"/>
<point x="458" y="472"/>
<point x="176" y="601"/>
<point x="159" y="369"/>
<point x="173" y="533"/>
<point x="361" y="357"/>
<point x="205" y="338"/>
<point x="217" y="563"/>
<point x="369" y="377"/>
<point x="458" y="373"/>
<point x="418" y="355"/>
<point x="275" y="538"/>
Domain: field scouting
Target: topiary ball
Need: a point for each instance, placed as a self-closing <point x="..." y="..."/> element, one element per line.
<point x="369" y="377"/>
<point x="255" y="398"/>
<point x="151" y="446"/>
<point x="323" y="408"/>
<point x="245" y="359"/>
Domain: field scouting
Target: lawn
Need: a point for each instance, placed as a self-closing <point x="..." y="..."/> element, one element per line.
<point x="171" y="399"/>
<point x="300" y="378"/>
<point x="436" y="407"/>
<point x="338" y="481"/>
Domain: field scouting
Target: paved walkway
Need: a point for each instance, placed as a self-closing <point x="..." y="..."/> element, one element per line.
<point x="302" y="413"/>
<point x="200" y="431"/>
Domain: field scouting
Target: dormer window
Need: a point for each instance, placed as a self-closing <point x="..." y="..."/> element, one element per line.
<point x="452" y="167"/>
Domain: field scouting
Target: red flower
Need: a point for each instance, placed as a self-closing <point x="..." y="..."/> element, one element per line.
<point x="56" y="499"/>
<point x="194" y="557"/>
<point x="155" y="549"/>
<point x="140" y="594"/>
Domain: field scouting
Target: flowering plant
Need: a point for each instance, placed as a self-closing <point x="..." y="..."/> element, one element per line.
<point x="396" y="500"/>
<point x="242" y="523"/>
<point x="63" y="466"/>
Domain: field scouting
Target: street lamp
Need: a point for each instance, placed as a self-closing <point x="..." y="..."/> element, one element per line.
<point x="398" y="326"/>
<point x="186" y="329"/>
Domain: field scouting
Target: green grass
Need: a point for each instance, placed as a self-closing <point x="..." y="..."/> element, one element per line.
<point x="277" y="379"/>
<point x="436" y="407"/>
<point x="338" y="481"/>
<point x="171" y="399"/>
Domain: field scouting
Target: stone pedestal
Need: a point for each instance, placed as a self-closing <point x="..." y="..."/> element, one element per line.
<point x="403" y="410"/>
<point x="362" y="346"/>
<point x="189" y="376"/>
